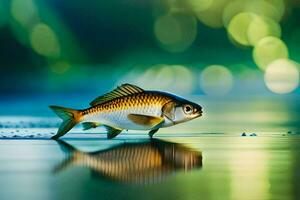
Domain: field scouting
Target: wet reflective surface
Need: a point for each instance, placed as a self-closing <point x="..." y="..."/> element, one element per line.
<point x="233" y="167"/>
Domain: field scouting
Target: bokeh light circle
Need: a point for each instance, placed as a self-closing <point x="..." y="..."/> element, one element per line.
<point x="164" y="26"/>
<point x="273" y="9"/>
<point x="173" y="78"/>
<point x="282" y="76"/>
<point x="269" y="49"/>
<point x="238" y="27"/>
<point x="176" y="31"/>
<point x="164" y="77"/>
<point x="261" y="27"/>
<point x="44" y="41"/>
<point x="184" y="80"/>
<point x="199" y="5"/>
<point x="213" y="15"/>
<point x="24" y="12"/>
<point x="216" y="80"/>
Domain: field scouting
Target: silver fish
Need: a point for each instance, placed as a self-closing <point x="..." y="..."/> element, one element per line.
<point x="129" y="107"/>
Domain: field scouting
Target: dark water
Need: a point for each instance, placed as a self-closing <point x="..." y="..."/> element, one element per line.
<point x="204" y="159"/>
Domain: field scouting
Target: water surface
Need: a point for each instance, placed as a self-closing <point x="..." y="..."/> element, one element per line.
<point x="204" y="159"/>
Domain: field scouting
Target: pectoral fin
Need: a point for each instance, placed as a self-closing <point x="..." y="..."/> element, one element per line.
<point x="89" y="125"/>
<point x="112" y="132"/>
<point x="145" y="120"/>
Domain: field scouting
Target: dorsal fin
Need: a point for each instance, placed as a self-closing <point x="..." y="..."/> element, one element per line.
<point x="120" y="91"/>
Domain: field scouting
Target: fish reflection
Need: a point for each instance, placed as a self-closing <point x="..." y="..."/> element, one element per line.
<point x="138" y="163"/>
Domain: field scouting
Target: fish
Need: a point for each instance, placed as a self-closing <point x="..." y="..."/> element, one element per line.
<point x="142" y="163"/>
<point x="129" y="107"/>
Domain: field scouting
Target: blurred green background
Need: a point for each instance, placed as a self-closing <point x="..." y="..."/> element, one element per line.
<point x="239" y="59"/>
<point x="190" y="47"/>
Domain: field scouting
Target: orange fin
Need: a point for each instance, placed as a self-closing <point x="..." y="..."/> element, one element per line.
<point x="146" y="120"/>
<point x="70" y="118"/>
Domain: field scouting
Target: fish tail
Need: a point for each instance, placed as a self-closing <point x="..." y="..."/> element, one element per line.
<point x="70" y="118"/>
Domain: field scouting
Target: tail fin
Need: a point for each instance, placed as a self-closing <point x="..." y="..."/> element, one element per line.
<point x="70" y="118"/>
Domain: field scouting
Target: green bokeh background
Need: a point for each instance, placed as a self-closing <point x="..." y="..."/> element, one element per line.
<point x="101" y="43"/>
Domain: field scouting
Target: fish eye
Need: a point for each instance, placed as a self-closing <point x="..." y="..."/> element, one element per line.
<point x="188" y="109"/>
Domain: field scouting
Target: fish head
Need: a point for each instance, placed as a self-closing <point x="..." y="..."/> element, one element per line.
<point x="180" y="110"/>
<point x="186" y="111"/>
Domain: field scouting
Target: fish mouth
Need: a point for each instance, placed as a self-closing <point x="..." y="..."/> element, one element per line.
<point x="199" y="114"/>
<point x="198" y="111"/>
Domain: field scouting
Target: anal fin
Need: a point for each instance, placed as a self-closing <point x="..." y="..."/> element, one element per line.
<point x="112" y="132"/>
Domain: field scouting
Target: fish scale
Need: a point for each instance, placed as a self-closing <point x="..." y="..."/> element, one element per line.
<point x="115" y="112"/>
